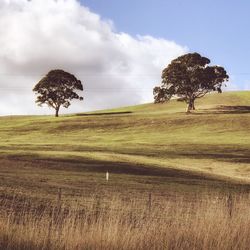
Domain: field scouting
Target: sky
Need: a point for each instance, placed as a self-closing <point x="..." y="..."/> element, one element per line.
<point x="116" y="48"/>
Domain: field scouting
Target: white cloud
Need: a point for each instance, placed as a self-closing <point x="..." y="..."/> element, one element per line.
<point x="39" y="35"/>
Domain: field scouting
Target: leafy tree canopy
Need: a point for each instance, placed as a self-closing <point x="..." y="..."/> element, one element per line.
<point x="189" y="77"/>
<point x="57" y="89"/>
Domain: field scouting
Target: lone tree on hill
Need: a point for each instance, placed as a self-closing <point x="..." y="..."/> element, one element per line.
<point x="57" y="89"/>
<point x="189" y="77"/>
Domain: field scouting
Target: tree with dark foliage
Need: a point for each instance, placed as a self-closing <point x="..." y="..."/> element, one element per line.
<point x="57" y="89"/>
<point x="189" y="77"/>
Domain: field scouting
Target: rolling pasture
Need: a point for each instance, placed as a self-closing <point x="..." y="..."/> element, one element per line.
<point x="179" y="181"/>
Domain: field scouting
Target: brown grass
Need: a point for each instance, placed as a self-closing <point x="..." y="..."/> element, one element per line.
<point x="126" y="223"/>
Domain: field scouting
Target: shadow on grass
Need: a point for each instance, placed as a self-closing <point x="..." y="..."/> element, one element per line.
<point x="75" y="164"/>
<point x="106" y="113"/>
<point x="224" y="110"/>
<point x="84" y="164"/>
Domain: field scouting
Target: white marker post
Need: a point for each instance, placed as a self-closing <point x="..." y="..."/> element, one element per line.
<point x="107" y="176"/>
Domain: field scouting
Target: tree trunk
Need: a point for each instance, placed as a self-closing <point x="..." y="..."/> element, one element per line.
<point x="193" y="107"/>
<point x="190" y="106"/>
<point x="57" y="111"/>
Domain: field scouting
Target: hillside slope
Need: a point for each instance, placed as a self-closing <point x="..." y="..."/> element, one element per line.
<point x="212" y="142"/>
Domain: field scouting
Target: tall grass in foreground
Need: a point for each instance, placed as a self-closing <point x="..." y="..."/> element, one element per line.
<point x="119" y="223"/>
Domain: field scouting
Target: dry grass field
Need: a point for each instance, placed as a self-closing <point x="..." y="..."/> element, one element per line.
<point x="208" y="222"/>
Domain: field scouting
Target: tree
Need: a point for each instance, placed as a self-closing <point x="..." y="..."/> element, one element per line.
<point x="189" y="77"/>
<point x="57" y="89"/>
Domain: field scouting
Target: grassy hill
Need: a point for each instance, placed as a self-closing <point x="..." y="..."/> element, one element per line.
<point x="171" y="177"/>
<point x="141" y="146"/>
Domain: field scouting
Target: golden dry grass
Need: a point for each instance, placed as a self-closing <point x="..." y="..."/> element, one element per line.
<point x="127" y="223"/>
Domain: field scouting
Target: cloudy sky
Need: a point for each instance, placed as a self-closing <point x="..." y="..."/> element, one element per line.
<point x="117" y="48"/>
